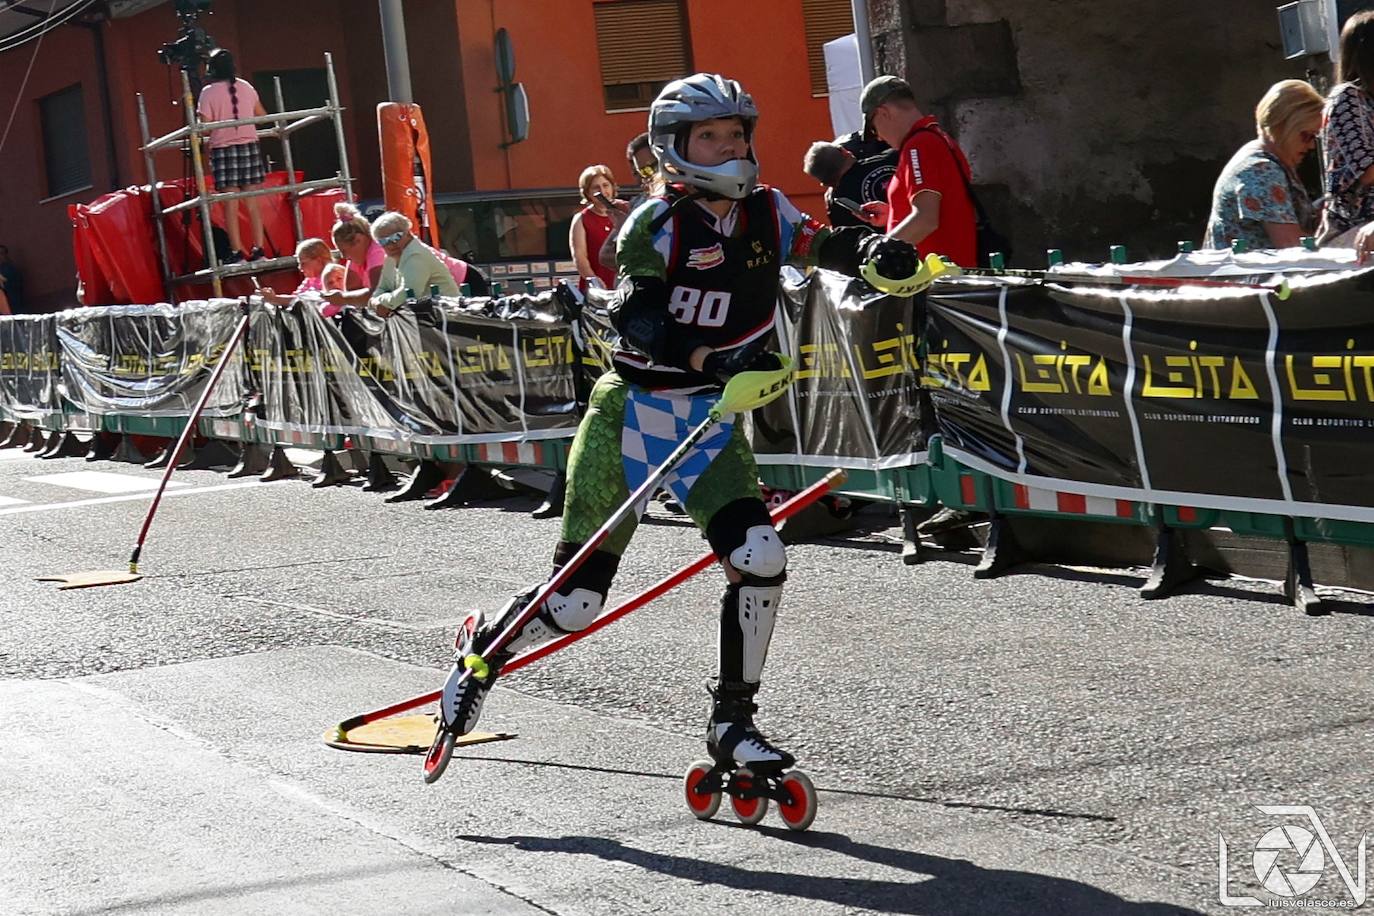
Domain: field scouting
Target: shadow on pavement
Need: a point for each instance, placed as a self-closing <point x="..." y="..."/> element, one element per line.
<point x="949" y="887"/>
<point x="822" y="789"/>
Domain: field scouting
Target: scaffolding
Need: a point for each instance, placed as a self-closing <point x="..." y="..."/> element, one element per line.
<point x="279" y="125"/>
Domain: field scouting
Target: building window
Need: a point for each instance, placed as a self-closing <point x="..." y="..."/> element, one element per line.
<point x="643" y="46"/>
<point x="65" y="156"/>
<point x="314" y="148"/>
<point x="826" y="20"/>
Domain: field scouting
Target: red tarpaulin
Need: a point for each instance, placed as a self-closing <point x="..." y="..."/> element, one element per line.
<point x="115" y="241"/>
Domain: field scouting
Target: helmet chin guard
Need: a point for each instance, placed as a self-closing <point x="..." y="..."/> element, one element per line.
<point x="733" y="179"/>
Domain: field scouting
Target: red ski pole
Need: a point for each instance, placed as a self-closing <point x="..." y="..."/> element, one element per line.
<point x="224" y="361"/>
<point x="798" y="502"/>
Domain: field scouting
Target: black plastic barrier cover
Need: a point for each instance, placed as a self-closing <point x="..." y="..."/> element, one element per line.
<point x="1235" y="394"/>
<point x="857" y="394"/>
<point x="451" y="368"/>
<point x="29" y="366"/>
<point x="307" y="375"/>
<point x="152" y="360"/>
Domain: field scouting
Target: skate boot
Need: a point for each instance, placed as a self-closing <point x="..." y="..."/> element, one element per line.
<point x="732" y="739"/>
<point x="460" y="703"/>
<point x="746" y="766"/>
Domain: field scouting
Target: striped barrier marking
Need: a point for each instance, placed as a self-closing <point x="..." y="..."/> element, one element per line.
<point x="511" y="453"/>
<point x="386" y="445"/>
<point x="968" y="489"/>
<point x="226" y="428"/>
<point x="1035" y="499"/>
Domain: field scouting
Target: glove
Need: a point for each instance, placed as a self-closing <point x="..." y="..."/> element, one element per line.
<point x="726" y="364"/>
<point x="890" y="258"/>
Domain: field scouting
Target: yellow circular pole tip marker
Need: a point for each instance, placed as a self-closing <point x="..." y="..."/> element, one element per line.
<point x="478" y="666"/>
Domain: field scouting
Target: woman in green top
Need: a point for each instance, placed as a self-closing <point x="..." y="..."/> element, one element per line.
<point x="410" y="265"/>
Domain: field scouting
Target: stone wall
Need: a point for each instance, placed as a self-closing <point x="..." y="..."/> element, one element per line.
<point x="1089" y="122"/>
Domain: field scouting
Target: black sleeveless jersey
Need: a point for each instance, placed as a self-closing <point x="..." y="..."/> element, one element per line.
<point x="722" y="290"/>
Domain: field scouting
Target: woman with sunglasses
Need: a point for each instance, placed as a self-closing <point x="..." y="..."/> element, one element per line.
<point x="410" y="265"/>
<point x="1259" y="199"/>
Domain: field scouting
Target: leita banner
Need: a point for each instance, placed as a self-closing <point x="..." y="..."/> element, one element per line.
<point x="29" y="367"/>
<point x="856" y="401"/>
<point x="152" y="360"/>
<point x="1231" y="399"/>
<point x="502" y="370"/>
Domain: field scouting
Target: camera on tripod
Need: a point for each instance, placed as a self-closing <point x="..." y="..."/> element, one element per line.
<point x="192" y="45"/>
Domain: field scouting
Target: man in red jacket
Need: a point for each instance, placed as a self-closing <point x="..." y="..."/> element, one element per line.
<point x="928" y="202"/>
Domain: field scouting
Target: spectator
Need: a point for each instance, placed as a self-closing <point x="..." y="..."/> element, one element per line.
<point x="411" y="265"/>
<point x="363" y="257"/>
<point x="235" y="156"/>
<point x="928" y="200"/>
<point x="1348" y="141"/>
<point x="863" y="144"/>
<point x="12" y="282"/>
<point x="846" y="179"/>
<point x="592" y="225"/>
<point x="462" y="272"/>
<point x="321" y="275"/>
<point x="645" y="166"/>
<point x="1259" y="198"/>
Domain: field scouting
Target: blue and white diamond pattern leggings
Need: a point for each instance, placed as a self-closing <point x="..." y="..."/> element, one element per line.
<point x="627" y="433"/>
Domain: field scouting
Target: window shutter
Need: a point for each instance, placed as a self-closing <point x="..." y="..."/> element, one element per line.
<point x="826" y="20"/>
<point x="65" y="156"/>
<point x="641" y="41"/>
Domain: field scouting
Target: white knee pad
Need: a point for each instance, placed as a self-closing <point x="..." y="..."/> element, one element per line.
<point x="761" y="554"/>
<point x="574" y="611"/>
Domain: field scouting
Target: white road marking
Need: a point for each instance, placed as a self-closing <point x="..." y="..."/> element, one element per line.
<point x="12" y="501"/>
<point x="423" y="627"/>
<point x="128" y="497"/>
<point x="102" y="481"/>
<point x="11" y="454"/>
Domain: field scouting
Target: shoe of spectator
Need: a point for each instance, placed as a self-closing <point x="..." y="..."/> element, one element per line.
<point x="948" y="519"/>
<point x="234" y="257"/>
<point x="256" y="253"/>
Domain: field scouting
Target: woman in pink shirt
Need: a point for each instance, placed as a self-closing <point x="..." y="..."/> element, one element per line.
<point x="353" y="237"/>
<point x="235" y="157"/>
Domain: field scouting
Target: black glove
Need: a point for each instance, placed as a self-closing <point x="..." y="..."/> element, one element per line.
<point x="892" y="258"/>
<point x="726" y="364"/>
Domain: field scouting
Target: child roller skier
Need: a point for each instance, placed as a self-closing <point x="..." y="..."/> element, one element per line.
<point x="699" y="279"/>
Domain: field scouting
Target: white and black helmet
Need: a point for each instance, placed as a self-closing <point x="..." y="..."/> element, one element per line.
<point x="702" y="97"/>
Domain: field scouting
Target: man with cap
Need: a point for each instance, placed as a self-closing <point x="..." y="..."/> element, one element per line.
<point x="928" y="200"/>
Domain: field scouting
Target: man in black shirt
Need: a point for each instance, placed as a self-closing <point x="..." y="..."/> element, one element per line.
<point x="845" y="179"/>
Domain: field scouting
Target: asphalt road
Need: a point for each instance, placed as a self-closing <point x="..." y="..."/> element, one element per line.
<point x="1046" y="742"/>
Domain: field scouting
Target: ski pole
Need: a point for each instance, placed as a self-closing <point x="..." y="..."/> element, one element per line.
<point x="743" y="393"/>
<point x="791" y="507"/>
<point x="186" y="433"/>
